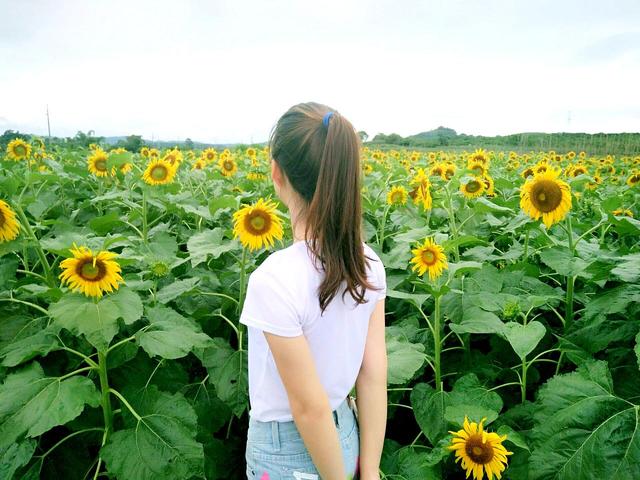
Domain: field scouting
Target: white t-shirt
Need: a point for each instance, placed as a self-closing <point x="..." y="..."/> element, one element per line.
<point x="282" y="298"/>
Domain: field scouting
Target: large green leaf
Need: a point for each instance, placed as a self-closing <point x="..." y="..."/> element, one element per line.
<point x="170" y="335"/>
<point x="628" y="268"/>
<point x="160" y="444"/>
<point x="469" y="397"/>
<point x="175" y="289"/>
<point x="429" y="407"/>
<point x="228" y="372"/>
<point x="561" y="261"/>
<point x="32" y="404"/>
<point x="207" y="242"/>
<point x="97" y="321"/>
<point x="15" y="456"/>
<point x="524" y="338"/>
<point x="403" y="359"/>
<point x="19" y="351"/>
<point x="476" y="320"/>
<point x="583" y="431"/>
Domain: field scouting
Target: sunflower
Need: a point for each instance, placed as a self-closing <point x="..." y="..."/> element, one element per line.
<point x="228" y="166"/>
<point x="633" y="179"/>
<point x="527" y="172"/>
<point x="473" y="188"/>
<point x="541" y="167"/>
<point x="421" y="191"/>
<point x="479" y="156"/>
<point x="209" y="155"/>
<point x="91" y="274"/>
<point x="18" y="149"/>
<point x="579" y="170"/>
<point x="251" y="152"/>
<point x="367" y="168"/>
<point x="97" y="163"/>
<point x="154" y="153"/>
<point x="546" y="196"/>
<point x="397" y="196"/>
<point x="199" y="164"/>
<point x="619" y="211"/>
<point x="173" y="157"/>
<point x="257" y="224"/>
<point x="124" y="168"/>
<point x="478" y="168"/>
<point x="144" y="151"/>
<point x="488" y="185"/>
<point x="480" y="451"/>
<point x="429" y="257"/>
<point x="437" y="170"/>
<point x="449" y="171"/>
<point x="9" y="226"/>
<point x="159" y="172"/>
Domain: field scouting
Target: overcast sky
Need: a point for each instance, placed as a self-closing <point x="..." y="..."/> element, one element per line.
<point x="224" y="71"/>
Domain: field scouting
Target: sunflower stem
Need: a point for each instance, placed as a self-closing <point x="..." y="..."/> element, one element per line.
<point x="523" y="382"/>
<point x="243" y="263"/>
<point x="437" y="344"/>
<point x="145" y="226"/>
<point x="526" y="244"/>
<point x="452" y="220"/>
<point x="107" y="411"/>
<point x="43" y="258"/>
<point x="382" y="227"/>
<point x="568" y="317"/>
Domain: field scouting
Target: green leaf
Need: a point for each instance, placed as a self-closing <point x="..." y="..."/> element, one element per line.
<point x="207" y="242"/>
<point x="524" y="338"/>
<point x="19" y="351"/>
<point x="476" y="320"/>
<point x="561" y="261"/>
<point x="628" y="268"/>
<point x="512" y="436"/>
<point x="228" y="372"/>
<point x="583" y="431"/>
<point x="32" y="404"/>
<point x="416" y="298"/>
<point x="15" y="456"/>
<point x="223" y="201"/>
<point x="429" y="407"/>
<point x="637" y="348"/>
<point x="403" y="359"/>
<point x="416" y="464"/>
<point x="469" y="397"/>
<point x="97" y="321"/>
<point x="161" y="444"/>
<point x="175" y="289"/>
<point x="118" y="159"/>
<point x="171" y="335"/>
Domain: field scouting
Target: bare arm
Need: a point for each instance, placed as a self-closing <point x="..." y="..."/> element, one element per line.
<point x="309" y="403"/>
<point x="371" y="396"/>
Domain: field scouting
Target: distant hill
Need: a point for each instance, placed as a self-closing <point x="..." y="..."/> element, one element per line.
<point x="441" y="137"/>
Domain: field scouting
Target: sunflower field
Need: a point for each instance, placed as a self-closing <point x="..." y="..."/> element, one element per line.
<point x="513" y="310"/>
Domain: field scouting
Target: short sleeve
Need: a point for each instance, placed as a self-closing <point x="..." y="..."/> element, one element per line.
<point x="271" y="306"/>
<point x="382" y="280"/>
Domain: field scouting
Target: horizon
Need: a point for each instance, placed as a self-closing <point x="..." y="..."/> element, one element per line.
<point x="221" y="74"/>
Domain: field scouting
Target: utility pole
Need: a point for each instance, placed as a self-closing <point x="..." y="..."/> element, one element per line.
<point x="48" y="123"/>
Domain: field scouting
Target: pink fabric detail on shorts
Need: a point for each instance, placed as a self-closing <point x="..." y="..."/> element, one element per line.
<point x="265" y="476"/>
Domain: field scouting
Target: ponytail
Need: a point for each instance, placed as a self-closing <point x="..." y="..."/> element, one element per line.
<point x="320" y="154"/>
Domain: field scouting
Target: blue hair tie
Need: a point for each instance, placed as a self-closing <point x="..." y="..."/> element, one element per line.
<point x="325" y="119"/>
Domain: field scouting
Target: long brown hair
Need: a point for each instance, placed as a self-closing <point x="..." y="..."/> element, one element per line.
<point x="322" y="163"/>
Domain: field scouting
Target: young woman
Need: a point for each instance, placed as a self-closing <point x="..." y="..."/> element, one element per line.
<point x="315" y="315"/>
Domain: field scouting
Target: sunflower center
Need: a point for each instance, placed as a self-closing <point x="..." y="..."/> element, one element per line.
<point x="159" y="172"/>
<point x="257" y="222"/>
<point x="90" y="272"/>
<point x="396" y="197"/>
<point x="429" y="257"/>
<point x="20" y="150"/>
<point x="477" y="451"/>
<point x="473" y="186"/>
<point x="546" y="195"/>
<point x="228" y="165"/>
<point x="101" y="165"/>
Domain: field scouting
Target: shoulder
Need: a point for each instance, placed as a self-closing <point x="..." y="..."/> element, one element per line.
<point x="280" y="268"/>
<point x="376" y="263"/>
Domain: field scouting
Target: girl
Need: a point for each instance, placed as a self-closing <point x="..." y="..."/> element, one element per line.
<point x="315" y="315"/>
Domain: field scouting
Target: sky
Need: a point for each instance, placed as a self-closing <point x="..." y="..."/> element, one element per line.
<point x="224" y="71"/>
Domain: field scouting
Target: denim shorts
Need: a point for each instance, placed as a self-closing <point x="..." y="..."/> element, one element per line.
<point x="275" y="450"/>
